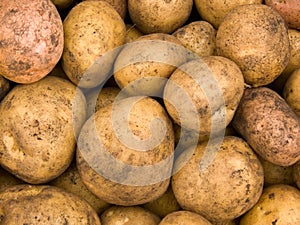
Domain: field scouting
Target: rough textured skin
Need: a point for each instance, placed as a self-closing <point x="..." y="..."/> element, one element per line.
<point x="184" y="218"/>
<point x="278" y="205"/>
<point x="139" y="75"/>
<point x="214" y="11"/>
<point x="227" y="188"/>
<point x="288" y="9"/>
<point x="128" y="215"/>
<point x="256" y="38"/>
<point x="31" y="39"/>
<point x="228" y="79"/>
<point x="291" y="91"/>
<point x="119" y="160"/>
<point x="91" y="29"/>
<point x="44" y="205"/>
<point x="269" y="125"/>
<point x="37" y="140"/>
<point x="156" y="16"/>
<point x="71" y="181"/>
<point x="199" y="37"/>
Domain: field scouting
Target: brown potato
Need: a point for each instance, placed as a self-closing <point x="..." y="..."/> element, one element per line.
<point x="29" y="204"/>
<point x="214" y="11"/>
<point x="38" y="128"/>
<point x="128" y="215"/>
<point x="127" y="148"/>
<point x="184" y="218"/>
<point x="4" y="87"/>
<point x="7" y="179"/>
<point x="222" y="87"/>
<point x="224" y="189"/>
<point x="93" y="32"/>
<point x="199" y="37"/>
<point x="154" y="16"/>
<point x="71" y="181"/>
<point x="31" y="39"/>
<point x="269" y="125"/>
<point x="291" y="91"/>
<point x="288" y="9"/>
<point x="278" y="205"/>
<point x="143" y="66"/>
<point x="255" y="37"/>
<point x="132" y="33"/>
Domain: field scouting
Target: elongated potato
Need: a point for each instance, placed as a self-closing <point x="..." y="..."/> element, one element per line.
<point x="269" y="125"/>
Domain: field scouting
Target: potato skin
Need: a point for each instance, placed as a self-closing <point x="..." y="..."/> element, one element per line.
<point x="269" y="125"/>
<point x="44" y="204"/>
<point x="184" y="217"/>
<point x="38" y="127"/>
<point x="279" y="205"/>
<point x="31" y="39"/>
<point x="226" y="188"/>
<point x="291" y="91"/>
<point x="242" y="35"/>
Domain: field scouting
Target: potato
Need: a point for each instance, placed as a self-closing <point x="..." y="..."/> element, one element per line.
<point x="132" y="33"/>
<point x="255" y="37"/>
<point x="184" y="218"/>
<point x="269" y="125"/>
<point x="278" y="205"/>
<point x="119" y="5"/>
<point x="288" y="9"/>
<point x="214" y="11"/>
<point x="142" y="67"/>
<point x="154" y="16"/>
<point x="228" y="222"/>
<point x="202" y="107"/>
<point x="7" y="179"/>
<point x="274" y="174"/>
<point x="38" y="128"/>
<point x="294" y="62"/>
<point x="31" y="39"/>
<point x="71" y="181"/>
<point x="29" y="204"/>
<point x="199" y="37"/>
<point x="291" y="91"/>
<point x="127" y="148"/>
<point x="164" y="205"/>
<point x="93" y="32"/>
<point x="63" y="4"/>
<point x="128" y="215"/>
<point x="4" y="87"/>
<point x="227" y="187"/>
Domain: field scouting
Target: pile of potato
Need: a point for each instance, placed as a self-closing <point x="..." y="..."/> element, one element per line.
<point x="151" y="112"/>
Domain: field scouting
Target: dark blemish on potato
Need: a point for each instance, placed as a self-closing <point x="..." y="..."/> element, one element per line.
<point x="272" y="196"/>
<point x="267" y="213"/>
<point x="274" y="222"/>
<point x="19" y="66"/>
<point x="54" y="40"/>
<point x="248" y="189"/>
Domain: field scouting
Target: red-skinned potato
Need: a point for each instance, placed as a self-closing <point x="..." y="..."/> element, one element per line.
<point x="31" y="39"/>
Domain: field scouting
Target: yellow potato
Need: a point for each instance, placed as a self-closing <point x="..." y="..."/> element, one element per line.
<point x="291" y="91"/>
<point x="184" y="218"/>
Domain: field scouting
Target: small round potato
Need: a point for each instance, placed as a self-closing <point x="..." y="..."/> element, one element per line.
<point x="291" y="91"/>
<point x="269" y="125"/>
<point x="44" y="204"/>
<point x="128" y="215"/>
<point x="214" y="11"/>
<point x="201" y="90"/>
<point x="71" y="181"/>
<point x="155" y="16"/>
<point x="256" y="38"/>
<point x="199" y="37"/>
<point x="278" y="205"/>
<point x="93" y="32"/>
<point x="227" y="188"/>
<point x="127" y="148"/>
<point x="184" y="217"/>
<point x="31" y="39"/>
<point x="38" y="127"/>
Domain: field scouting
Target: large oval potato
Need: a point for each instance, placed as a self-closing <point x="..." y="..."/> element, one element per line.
<point x="227" y="187"/>
<point x="38" y="128"/>
<point x="255" y="37"/>
<point x="93" y="30"/>
<point x="44" y="204"/>
<point x="127" y="148"/>
<point x="31" y="39"/>
<point x="269" y="125"/>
